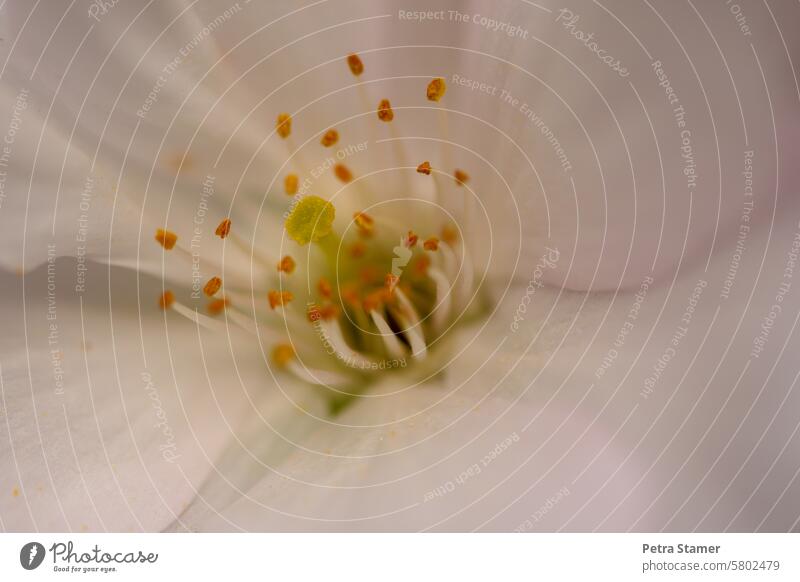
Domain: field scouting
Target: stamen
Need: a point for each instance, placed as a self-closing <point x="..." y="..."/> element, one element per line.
<point x="365" y="223"/>
<point x="286" y="265"/>
<point x="279" y="298"/>
<point x="310" y="220"/>
<point x="385" y="112"/>
<point x="390" y="281"/>
<point x="442" y="310"/>
<point x="390" y="339"/>
<point x="329" y="138"/>
<point x="358" y="249"/>
<point x="212" y="286"/>
<point x="166" y="300"/>
<point x="411" y="239"/>
<point x="224" y="228"/>
<point x="461" y="177"/>
<point x="166" y="238"/>
<point x="421" y="265"/>
<point x="324" y="288"/>
<point x="290" y="184"/>
<point x="436" y="89"/>
<point x="327" y="312"/>
<point x="424" y="168"/>
<point x="217" y="306"/>
<point x="431" y="244"/>
<point x="343" y="173"/>
<point x="333" y="333"/>
<point x="375" y="300"/>
<point x="282" y="354"/>
<point x="283" y="125"/>
<point x="411" y="327"/>
<point x="449" y="235"/>
<point x="355" y="64"/>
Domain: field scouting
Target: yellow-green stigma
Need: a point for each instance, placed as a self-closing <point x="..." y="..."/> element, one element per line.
<point x="310" y="220"/>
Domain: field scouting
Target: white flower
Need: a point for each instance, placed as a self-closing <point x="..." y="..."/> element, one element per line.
<point x="595" y="336"/>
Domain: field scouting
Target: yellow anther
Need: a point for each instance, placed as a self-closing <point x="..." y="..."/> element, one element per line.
<point x="290" y="184"/>
<point x="461" y="177"/>
<point x="282" y="354"/>
<point x="279" y="298"/>
<point x="283" y="125"/>
<point x="286" y="265"/>
<point x="329" y="138"/>
<point x="431" y="244"/>
<point x="364" y="222"/>
<point x="358" y="249"/>
<point x="224" y="228"/>
<point x="212" y="286"/>
<point x="411" y="239"/>
<point x="217" y="306"/>
<point x="166" y="300"/>
<point x="355" y="64"/>
<point x="424" y="168"/>
<point x="324" y="288"/>
<point x="343" y="173"/>
<point x="166" y="238"/>
<point x="310" y="220"/>
<point x="385" y="112"/>
<point x="449" y="234"/>
<point x="436" y="89"/>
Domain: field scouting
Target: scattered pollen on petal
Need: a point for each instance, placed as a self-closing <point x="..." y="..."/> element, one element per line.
<point x="290" y="184"/>
<point x="283" y="125"/>
<point x="411" y="239"/>
<point x="15" y="492"/>
<point x="166" y="300"/>
<point x="424" y="168"/>
<point x="282" y="354"/>
<point x="166" y="238"/>
<point x="355" y="64"/>
<point x="431" y="244"/>
<point x="436" y="89"/>
<point x="385" y="112"/>
<point x="324" y="288"/>
<point x="461" y="177"/>
<point x="286" y="265"/>
<point x="224" y="228"/>
<point x="364" y="222"/>
<point x="212" y="286"/>
<point x="279" y="298"/>
<point x="310" y="220"/>
<point x="329" y="138"/>
<point x="343" y="173"/>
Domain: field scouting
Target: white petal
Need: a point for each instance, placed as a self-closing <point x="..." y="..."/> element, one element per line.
<point x="629" y="212"/>
<point x="109" y="419"/>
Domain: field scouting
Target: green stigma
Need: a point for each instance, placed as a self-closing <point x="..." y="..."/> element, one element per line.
<point x="310" y="220"/>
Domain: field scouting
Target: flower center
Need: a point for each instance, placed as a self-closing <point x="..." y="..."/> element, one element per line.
<point x="362" y="295"/>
